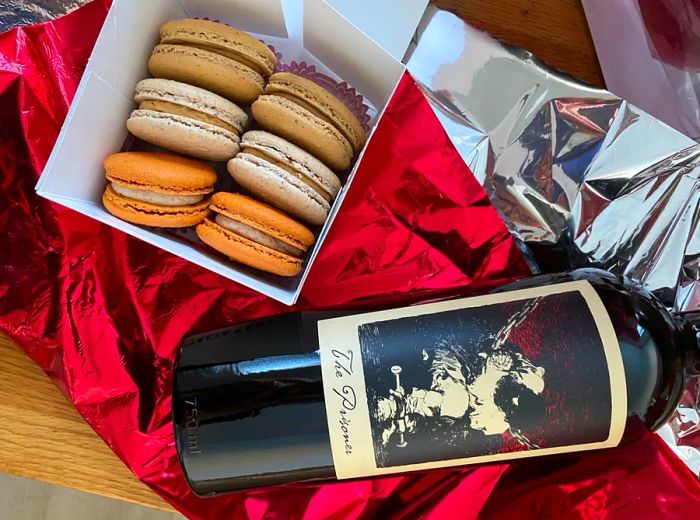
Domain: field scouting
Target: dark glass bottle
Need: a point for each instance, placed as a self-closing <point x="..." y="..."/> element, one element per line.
<point x="248" y="400"/>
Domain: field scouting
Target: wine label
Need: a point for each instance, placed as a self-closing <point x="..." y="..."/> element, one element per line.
<point x="485" y="379"/>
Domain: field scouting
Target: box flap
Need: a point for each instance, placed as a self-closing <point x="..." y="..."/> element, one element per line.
<point x="74" y="170"/>
<point x="261" y="16"/>
<point x="389" y="23"/>
<point x="359" y="60"/>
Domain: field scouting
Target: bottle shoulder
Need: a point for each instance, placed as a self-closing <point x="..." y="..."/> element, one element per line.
<point x="657" y="346"/>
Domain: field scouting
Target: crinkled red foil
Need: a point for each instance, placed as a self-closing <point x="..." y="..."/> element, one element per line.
<point x="103" y="314"/>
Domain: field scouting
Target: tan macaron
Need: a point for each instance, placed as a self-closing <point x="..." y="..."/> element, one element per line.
<point x="213" y="56"/>
<point x="187" y="119"/>
<point x="255" y="234"/>
<point x="157" y="189"/>
<point x="308" y="115"/>
<point x="285" y="176"/>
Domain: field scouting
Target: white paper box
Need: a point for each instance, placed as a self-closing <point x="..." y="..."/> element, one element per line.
<point x="390" y="23"/>
<point x="308" y="30"/>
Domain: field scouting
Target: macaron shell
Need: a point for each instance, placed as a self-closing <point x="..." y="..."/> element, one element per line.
<point x="264" y="218"/>
<point x="279" y="188"/>
<point x="246" y="251"/>
<point x="207" y="70"/>
<point x="191" y="97"/>
<point x="298" y="159"/>
<point x="183" y="134"/>
<point x="296" y="124"/>
<point x="160" y="172"/>
<point x="220" y="38"/>
<point x="323" y="101"/>
<point x="145" y="214"/>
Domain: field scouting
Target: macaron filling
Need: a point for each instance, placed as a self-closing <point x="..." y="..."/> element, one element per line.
<point x="299" y="175"/>
<point x="256" y="235"/>
<point x="153" y="197"/>
<point x="168" y="107"/>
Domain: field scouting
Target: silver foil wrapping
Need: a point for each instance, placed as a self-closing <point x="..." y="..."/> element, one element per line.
<point x="581" y="176"/>
<point x="566" y="164"/>
<point x="21" y="12"/>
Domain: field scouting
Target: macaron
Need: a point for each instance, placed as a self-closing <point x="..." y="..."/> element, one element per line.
<point x="255" y="234"/>
<point x="311" y="117"/>
<point x="158" y="189"/>
<point x="187" y="119"/>
<point x="285" y="176"/>
<point x="213" y="56"/>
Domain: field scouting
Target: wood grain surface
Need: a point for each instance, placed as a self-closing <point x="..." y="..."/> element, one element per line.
<point x="43" y="437"/>
<point x="554" y="30"/>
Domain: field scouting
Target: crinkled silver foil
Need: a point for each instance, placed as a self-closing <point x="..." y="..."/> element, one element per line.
<point x="21" y="12"/>
<point x="581" y="176"/>
<point x="566" y="164"/>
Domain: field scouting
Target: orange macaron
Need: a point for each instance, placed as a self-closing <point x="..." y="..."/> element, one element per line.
<point x="255" y="234"/>
<point x="158" y="189"/>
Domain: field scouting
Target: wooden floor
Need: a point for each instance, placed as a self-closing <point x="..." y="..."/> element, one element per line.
<point x="25" y="499"/>
<point x="556" y="31"/>
<point x="43" y="437"/>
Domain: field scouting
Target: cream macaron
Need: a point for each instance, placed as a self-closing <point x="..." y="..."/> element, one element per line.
<point x="286" y="176"/>
<point x="187" y="119"/>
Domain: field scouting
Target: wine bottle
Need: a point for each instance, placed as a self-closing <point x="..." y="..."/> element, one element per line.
<point x="550" y="364"/>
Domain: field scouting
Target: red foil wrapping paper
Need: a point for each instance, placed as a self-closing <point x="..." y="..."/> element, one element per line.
<point x="103" y="314"/>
